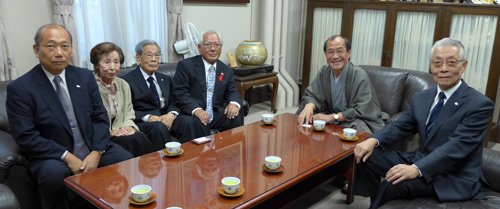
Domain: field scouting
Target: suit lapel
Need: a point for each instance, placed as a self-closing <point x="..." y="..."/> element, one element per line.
<point x="452" y="104"/>
<point x="75" y="91"/>
<point x="141" y="84"/>
<point x="49" y="96"/>
<point x="165" y="88"/>
<point x="200" y="70"/>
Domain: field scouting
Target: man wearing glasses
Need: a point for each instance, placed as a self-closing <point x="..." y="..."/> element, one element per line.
<point x="205" y="90"/>
<point x="342" y="92"/>
<point x="451" y="121"/>
<point x="155" y="109"/>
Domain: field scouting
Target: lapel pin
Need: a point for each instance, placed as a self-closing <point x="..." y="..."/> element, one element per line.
<point x="221" y="76"/>
<point x="77" y="86"/>
<point x="456" y="103"/>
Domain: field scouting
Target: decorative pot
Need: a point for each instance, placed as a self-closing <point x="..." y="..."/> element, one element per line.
<point x="251" y="53"/>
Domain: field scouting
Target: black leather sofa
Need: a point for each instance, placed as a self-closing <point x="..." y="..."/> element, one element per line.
<point x="395" y="89"/>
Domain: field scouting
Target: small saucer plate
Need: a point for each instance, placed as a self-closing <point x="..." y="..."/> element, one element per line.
<point x="351" y="140"/>
<point x="164" y="151"/>
<point x="151" y="199"/>
<point x="279" y="170"/>
<point x="241" y="190"/>
<point x="270" y="124"/>
<point x="318" y="130"/>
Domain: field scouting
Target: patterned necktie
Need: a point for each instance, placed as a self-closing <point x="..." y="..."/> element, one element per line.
<point x="80" y="149"/>
<point x="152" y="87"/>
<point x="210" y="91"/>
<point x="435" y="111"/>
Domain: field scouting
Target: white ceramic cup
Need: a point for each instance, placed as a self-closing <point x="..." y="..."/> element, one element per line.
<point x="141" y="192"/>
<point x="268" y="118"/>
<point x="273" y="162"/>
<point x="349" y="133"/>
<point x="173" y="147"/>
<point x="174" y="208"/>
<point x="230" y="184"/>
<point x="319" y="124"/>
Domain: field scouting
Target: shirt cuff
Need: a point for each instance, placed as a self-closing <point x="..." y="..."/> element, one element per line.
<point x="146" y="118"/>
<point x="175" y="113"/>
<point x="192" y="112"/>
<point x="64" y="155"/>
<point x="419" y="173"/>
<point x="236" y="103"/>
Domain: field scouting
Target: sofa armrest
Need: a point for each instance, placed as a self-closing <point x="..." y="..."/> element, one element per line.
<point x="9" y="153"/>
<point x="7" y="198"/>
<point x="491" y="168"/>
<point x="395" y="117"/>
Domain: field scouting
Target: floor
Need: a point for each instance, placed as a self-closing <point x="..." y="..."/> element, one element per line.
<point x="327" y="196"/>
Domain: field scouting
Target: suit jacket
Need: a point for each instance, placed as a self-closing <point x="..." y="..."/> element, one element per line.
<point x="38" y="121"/>
<point x="125" y="114"/>
<point x="142" y="98"/>
<point x="450" y="155"/>
<point x="190" y="86"/>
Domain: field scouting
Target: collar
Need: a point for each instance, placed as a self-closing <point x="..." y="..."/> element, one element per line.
<point x="450" y="91"/>
<point x="51" y="76"/>
<point x="207" y="65"/>
<point x="146" y="76"/>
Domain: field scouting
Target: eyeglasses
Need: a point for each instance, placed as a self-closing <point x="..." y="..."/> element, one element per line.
<point x="150" y="56"/>
<point x="338" y="51"/>
<point x="216" y="45"/>
<point x="449" y="63"/>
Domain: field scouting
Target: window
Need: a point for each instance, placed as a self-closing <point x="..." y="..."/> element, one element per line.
<point x="122" y="22"/>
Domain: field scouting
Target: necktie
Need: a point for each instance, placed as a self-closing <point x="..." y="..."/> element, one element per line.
<point x="210" y="91"/>
<point x="152" y="87"/>
<point x="435" y="111"/>
<point x="80" y="149"/>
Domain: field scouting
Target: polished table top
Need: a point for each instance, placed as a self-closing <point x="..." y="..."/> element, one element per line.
<point x="192" y="179"/>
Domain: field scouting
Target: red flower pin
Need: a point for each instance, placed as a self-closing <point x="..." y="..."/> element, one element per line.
<point x="221" y="76"/>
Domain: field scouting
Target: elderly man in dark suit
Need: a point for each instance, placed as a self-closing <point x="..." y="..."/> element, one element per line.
<point x="156" y="113"/>
<point x="451" y="121"/>
<point x="205" y="89"/>
<point x="57" y="118"/>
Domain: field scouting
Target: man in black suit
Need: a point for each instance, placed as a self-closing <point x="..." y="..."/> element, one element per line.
<point x="205" y="90"/>
<point x="156" y="113"/>
<point x="58" y="120"/>
<point x="451" y="121"/>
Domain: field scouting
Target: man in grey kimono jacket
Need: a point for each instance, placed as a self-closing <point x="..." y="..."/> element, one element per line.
<point x="342" y="92"/>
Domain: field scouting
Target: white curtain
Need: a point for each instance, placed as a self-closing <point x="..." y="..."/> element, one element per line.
<point x="413" y="40"/>
<point x="122" y="22"/>
<point x="477" y="33"/>
<point x="8" y="69"/>
<point x="174" y="8"/>
<point x="368" y="37"/>
<point x="326" y="23"/>
<point x="63" y="16"/>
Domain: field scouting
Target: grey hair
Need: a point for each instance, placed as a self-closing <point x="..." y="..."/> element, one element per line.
<point x="209" y="31"/>
<point x="139" y="48"/>
<point x="450" y="42"/>
<point x="38" y="35"/>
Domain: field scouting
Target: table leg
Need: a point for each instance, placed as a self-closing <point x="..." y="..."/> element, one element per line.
<point x="242" y="90"/>
<point x="275" y="92"/>
<point x="350" y="179"/>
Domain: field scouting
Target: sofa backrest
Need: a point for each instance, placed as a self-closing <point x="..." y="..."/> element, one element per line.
<point x="165" y="68"/>
<point x="4" y="120"/>
<point x="395" y="87"/>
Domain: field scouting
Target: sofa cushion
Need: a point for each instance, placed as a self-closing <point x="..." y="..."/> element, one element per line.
<point x="389" y="85"/>
<point x="7" y="198"/>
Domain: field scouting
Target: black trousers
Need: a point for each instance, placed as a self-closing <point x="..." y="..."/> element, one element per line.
<point x="368" y="180"/>
<point x="138" y="143"/>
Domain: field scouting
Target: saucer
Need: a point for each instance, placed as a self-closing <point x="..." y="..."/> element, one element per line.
<point x="241" y="190"/>
<point x="151" y="199"/>
<point x="270" y="124"/>
<point x="319" y="130"/>
<point x="279" y="170"/>
<point x="164" y="151"/>
<point x="351" y="140"/>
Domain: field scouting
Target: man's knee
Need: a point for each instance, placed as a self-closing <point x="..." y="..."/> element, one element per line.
<point x="51" y="173"/>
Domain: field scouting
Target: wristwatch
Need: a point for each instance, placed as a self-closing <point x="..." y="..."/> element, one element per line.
<point x="102" y="151"/>
<point x="336" y="117"/>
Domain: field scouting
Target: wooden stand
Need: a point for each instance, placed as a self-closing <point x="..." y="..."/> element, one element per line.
<point x="245" y="82"/>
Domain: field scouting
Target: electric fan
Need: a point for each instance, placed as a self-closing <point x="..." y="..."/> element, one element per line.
<point x="189" y="46"/>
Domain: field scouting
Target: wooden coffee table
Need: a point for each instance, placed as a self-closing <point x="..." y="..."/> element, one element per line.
<point x="192" y="179"/>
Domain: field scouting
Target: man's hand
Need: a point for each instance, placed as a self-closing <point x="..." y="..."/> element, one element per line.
<point x="119" y="132"/>
<point x="401" y="172"/>
<point x="73" y="163"/>
<point x="154" y="118"/>
<point x="305" y="117"/>
<point x="231" y="111"/>
<point x="203" y="116"/>
<point x="168" y="119"/>
<point x="90" y="162"/>
<point x="364" y="150"/>
<point x="321" y="116"/>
